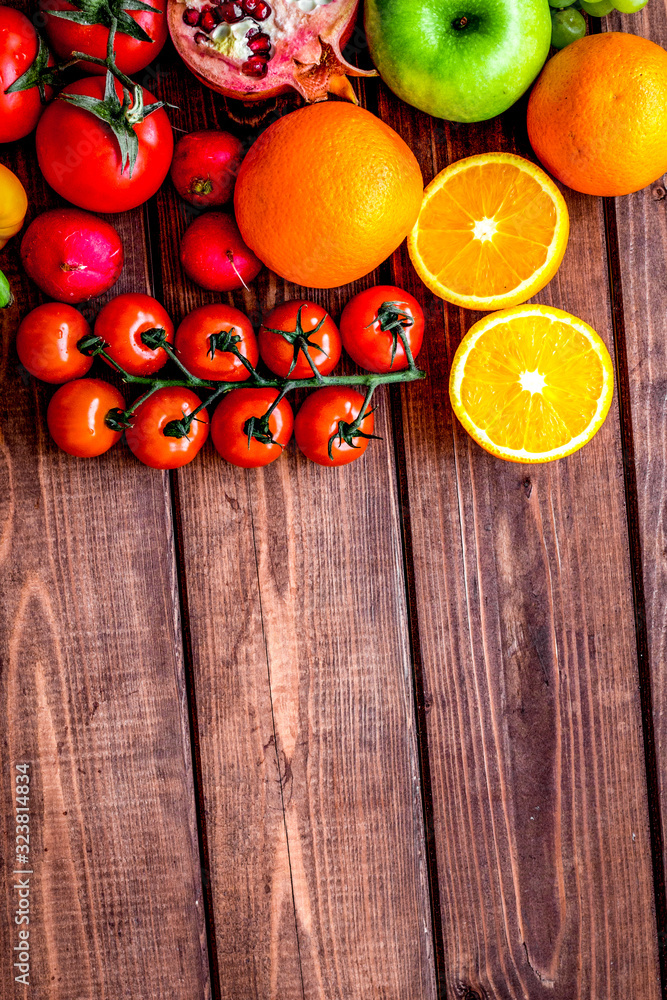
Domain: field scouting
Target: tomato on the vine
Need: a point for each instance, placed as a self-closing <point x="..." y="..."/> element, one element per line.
<point x="132" y="54"/>
<point x="371" y="324"/>
<point x="294" y="328"/>
<point x="47" y="340"/>
<point x="121" y="323"/>
<point x="204" y="337"/>
<point x="324" y="428"/>
<point x="161" y="434"/>
<point x="241" y="432"/>
<point x="76" y="416"/>
<point x="81" y="158"/>
<point x="19" y="47"/>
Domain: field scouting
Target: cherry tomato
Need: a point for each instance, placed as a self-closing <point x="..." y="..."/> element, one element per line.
<point x="233" y="436"/>
<point x="46" y="343"/>
<point x="132" y="55"/>
<point x="158" y="414"/>
<point x="370" y="326"/>
<point x="76" y="416"/>
<point x="19" y="45"/>
<point x="201" y="337"/>
<point x="320" y="426"/>
<point x="120" y="324"/>
<point x="302" y="323"/>
<point x="80" y="157"/>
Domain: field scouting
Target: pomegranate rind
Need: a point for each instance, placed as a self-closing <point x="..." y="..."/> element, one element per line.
<point x="306" y="56"/>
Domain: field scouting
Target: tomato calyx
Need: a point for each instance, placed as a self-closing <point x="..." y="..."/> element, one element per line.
<point x="105" y="12"/>
<point x="154" y="338"/>
<point x="121" y="117"/>
<point x="258" y="428"/>
<point x="91" y="345"/>
<point x="224" y="341"/>
<point x="178" y="428"/>
<point x="39" y="74"/>
<point x="118" y="420"/>
<point x="227" y="341"/>
<point x="301" y="341"/>
<point x="392" y="319"/>
<point x="348" y="433"/>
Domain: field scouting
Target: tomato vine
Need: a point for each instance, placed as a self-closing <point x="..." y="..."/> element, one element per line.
<point x="258" y="427"/>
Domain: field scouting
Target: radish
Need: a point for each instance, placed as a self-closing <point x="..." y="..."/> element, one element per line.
<point x="205" y="166"/>
<point x="214" y="255"/>
<point x="72" y="255"/>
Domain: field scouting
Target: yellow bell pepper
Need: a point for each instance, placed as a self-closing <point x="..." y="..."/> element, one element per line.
<point x="13" y="204"/>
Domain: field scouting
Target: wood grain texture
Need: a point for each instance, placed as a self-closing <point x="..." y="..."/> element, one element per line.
<point x="640" y="259"/>
<point x="527" y="639"/>
<point x="305" y="707"/>
<point x="92" y="695"/>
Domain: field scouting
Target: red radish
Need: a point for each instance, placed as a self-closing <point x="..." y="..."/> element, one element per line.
<point x="214" y="255"/>
<point x="72" y="255"/>
<point x="205" y="166"/>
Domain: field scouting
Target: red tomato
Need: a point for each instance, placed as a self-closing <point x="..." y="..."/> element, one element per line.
<point x="132" y="55"/>
<point x="230" y="427"/>
<point x="120" y="324"/>
<point x="46" y="343"/>
<point x="317" y="427"/>
<point x="147" y="438"/>
<point x="80" y="157"/>
<point x="19" y="44"/>
<point x="201" y="354"/>
<point x="300" y="322"/>
<point x="76" y="416"/>
<point x="370" y="323"/>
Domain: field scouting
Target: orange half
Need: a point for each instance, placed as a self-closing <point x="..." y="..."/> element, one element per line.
<point x="492" y="232"/>
<point x="531" y="384"/>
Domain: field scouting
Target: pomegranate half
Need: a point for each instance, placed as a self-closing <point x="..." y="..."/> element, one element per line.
<point x="255" y="49"/>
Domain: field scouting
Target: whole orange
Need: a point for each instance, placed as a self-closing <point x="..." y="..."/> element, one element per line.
<point x="597" y="116"/>
<point x="326" y="194"/>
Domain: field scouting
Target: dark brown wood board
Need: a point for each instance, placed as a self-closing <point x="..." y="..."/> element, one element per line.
<point x="302" y="679"/>
<point x="415" y="685"/>
<point x="93" y="696"/>
<point x="526" y="631"/>
<point x="638" y="263"/>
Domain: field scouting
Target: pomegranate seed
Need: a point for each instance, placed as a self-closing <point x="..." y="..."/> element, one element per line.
<point x="191" y="17"/>
<point x="201" y="37"/>
<point x="231" y="12"/>
<point x="255" y="66"/>
<point x="207" y="22"/>
<point x="257" y="9"/>
<point x="260" y="43"/>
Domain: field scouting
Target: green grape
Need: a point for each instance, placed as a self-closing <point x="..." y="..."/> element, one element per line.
<point x="566" y="26"/>
<point x="599" y="8"/>
<point x="560" y="4"/>
<point x="629" y="6"/>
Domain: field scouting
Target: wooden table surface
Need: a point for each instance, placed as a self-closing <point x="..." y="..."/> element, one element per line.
<point x="397" y="731"/>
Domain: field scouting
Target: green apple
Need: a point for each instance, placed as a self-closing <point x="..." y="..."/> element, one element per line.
<point x="464" y="60"/>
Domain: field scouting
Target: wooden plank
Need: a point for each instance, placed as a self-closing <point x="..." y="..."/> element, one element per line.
<point x="93" y="696"/>
<point x="528" y="647"/>
<point x="638" y="225"/>
<point x="302" y="677"/>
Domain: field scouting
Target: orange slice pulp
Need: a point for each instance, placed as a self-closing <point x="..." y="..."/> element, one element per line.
<point x="492" y="231"/>
<point x="531" y="384"/>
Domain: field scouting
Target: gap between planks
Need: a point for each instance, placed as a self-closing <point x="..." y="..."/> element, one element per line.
<point x="637" y="576"/>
